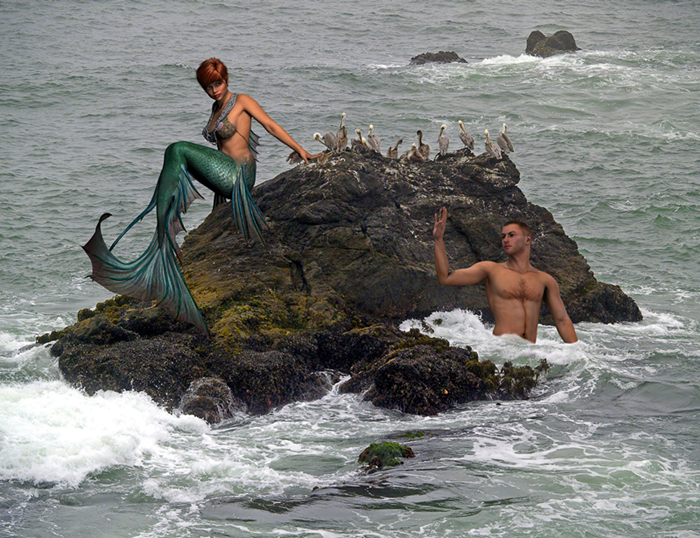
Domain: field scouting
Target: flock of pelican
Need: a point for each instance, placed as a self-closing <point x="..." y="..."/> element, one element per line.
<point x="419" y="152"/>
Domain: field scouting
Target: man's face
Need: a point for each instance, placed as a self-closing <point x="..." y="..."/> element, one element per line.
<point x="513" y="239"/>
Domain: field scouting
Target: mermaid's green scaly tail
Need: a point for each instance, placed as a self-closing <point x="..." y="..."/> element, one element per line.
<point x="155" y="275"/>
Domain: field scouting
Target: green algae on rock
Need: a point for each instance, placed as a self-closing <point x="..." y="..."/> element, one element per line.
<point x="384" y="454"/>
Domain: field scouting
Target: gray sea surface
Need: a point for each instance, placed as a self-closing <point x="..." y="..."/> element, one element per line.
<point x="607" y="139"/>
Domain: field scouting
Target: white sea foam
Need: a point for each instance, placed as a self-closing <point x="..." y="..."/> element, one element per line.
<point x="53" y="433"/>
<point x="462" y="327"/>
<point x="506" y="59"/>
<point x="10" y="343"/>
<point x="386" y="66"/>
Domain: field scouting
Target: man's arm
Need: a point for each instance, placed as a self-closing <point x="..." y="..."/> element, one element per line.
<point x="562" y="321"/>
<point x="461" y="277"/>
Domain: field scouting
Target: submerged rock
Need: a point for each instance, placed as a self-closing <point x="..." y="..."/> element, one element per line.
<point x="349" y="255"/>
<point x="385" y="454"/>
<point x="560" y="42"/>
<point x="442" y="57"/>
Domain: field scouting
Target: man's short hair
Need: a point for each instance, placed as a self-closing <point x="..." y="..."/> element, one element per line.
<point x="524" y="227"/>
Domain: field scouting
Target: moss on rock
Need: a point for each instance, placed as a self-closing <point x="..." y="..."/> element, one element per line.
<point x="384" y="454"/>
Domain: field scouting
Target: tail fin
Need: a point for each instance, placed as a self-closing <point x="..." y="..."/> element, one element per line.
<point x="155" y="275"/>
<point x="184" y="193"/>
<point x="253" y="143"/>
<point x="151" y="206"/>
<point x="246" y="215"/>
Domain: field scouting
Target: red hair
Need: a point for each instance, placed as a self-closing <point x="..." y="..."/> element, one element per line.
<point x="211" y="70"/>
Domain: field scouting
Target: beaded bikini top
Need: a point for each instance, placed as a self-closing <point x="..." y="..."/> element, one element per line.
<point x="211" y="135"/>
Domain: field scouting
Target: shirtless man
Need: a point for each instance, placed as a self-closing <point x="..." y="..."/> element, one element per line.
<point x="514" y="289"/>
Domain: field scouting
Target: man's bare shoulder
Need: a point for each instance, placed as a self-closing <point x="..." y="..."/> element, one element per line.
<point x="488" y="266"/>
<point x="544" y="277"/>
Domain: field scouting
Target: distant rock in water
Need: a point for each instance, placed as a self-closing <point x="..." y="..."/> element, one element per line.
<point x="442" y="57"/>
<point x="539" y="44"/>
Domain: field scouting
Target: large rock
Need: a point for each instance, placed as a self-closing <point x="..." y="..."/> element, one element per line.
<point x="349" y="253"/>
<point x="560" y="42"/>
<point x="354" y="237"/>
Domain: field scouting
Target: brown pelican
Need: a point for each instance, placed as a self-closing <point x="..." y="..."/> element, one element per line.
<point x="373" y="140"/>
<point x="422" y="149"/>
<point x="393" y="151"/>
<point x="492" y="150"/>
<point x="365" y="143"/>
<point x="465" y="137"/>
<point x="503" y="140"/>
<point x="357" y="142"/>
<point x="443" y="141"/>
<point x="327" y="140"/>
<point x="330" y="140"/>
<point x="412" y="155"/>
<point x="294" y="158"/>
<point x="341" y="137"/>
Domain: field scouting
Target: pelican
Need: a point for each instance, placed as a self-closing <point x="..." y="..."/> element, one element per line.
<point x="357" y="142"/>
<point x="373" y="140"/>
<point x="422" y="149"/>
<point x="327" y="140"/>
<point x="365" y="143"/>
<point x="393" y="151"/>
<point x="294" y="158"/>
<point x="503" y="140"/>
<point x="492" y="150"/>
<point x="412" y="155"/>
<point x="465" y="137"/>
<point x="443" y="141"/>
<point x="341" y="137"/>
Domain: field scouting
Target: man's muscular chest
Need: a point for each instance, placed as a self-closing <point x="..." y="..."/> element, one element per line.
<point x="510" y="285"/>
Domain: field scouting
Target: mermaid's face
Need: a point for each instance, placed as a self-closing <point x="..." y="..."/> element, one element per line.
<point x="216" y="89"/>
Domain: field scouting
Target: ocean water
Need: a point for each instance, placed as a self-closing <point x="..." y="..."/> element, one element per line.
<point x="607" y="139"/>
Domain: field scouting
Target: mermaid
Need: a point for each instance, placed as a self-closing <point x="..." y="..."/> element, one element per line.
<point x="229" y="171"/>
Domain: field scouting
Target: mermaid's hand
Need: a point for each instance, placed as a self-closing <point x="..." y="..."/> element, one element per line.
<point x="296" y="157"/>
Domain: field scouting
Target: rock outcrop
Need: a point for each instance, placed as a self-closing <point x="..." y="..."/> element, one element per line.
<point x="560" y="42"/>
<point x="442" y="57"/>
<point x="355" y="235"/>
<point x="348" y="256"/>
<point x="377" y="456"/>
<point x="210" y="399"/>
